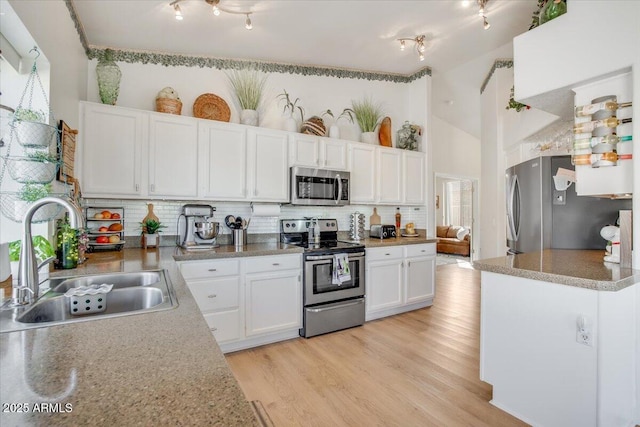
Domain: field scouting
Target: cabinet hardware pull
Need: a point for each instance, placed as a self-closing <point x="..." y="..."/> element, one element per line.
<point x="409" y="264"/>
<point x="387" y="254"/>
<point x="213" y="329"/>
<point x="137" y="187"/>
<point x="153" y="188"/>
<point x="276" y="263"/>
<point x="423" y="250"/>
<point x="212" y="269"/>
<point x="212" y="296"/>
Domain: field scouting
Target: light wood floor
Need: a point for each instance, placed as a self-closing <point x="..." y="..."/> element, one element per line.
<point x="415" y="369"/>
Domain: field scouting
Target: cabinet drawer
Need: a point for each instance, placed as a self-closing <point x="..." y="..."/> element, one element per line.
<point x="225" y="326"/>
<point x="216" y="294"/>
<point x="390" y="252"/>
<point x="209" y="268"/>
<point x="273" y="263"/>
<point x="427" y="249"/>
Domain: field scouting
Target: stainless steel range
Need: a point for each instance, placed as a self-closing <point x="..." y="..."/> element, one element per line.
<point x="333" y="276"/>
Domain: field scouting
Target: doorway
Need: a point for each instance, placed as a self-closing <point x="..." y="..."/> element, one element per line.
<point x="456" y="204"/>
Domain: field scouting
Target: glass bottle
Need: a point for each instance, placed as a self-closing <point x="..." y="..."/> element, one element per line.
<point x="587" y="110"/>
<point x="552" y="10"/>
<point x="398" y="219"/>
<point x="66" y="246"/>
<point x="610" y="122"/>
<point x="109" y="75"/>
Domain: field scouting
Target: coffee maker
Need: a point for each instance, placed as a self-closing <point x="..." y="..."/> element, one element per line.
<point x="195" y="228"/>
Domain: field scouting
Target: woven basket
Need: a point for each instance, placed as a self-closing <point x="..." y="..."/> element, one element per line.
<point x="171" y="106"/>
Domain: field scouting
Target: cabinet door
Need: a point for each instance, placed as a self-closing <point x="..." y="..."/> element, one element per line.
<point x="389" y="178"/>
<point x="384" y="284"/>
<point x="333" y="154"/>
<point x="112" y="139"/>
<point x="268" y="171"/>
<point x="414" y="177"/>
<point x="173" y="156"/>
<point x="273" y="302"/>
<point x="304" y="150"/>
<point x="420" y="278"/>
<point x="216" y="294"/>
<point x="363" y="173"/>
<point x="223" y="154"/>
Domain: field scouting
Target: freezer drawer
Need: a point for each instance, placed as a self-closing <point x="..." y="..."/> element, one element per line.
<point x="325" y="318"/>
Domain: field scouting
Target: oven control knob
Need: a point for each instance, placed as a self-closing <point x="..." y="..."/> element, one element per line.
<point x="288" y="225"/>
<point x="384" y="234"/>
<point x="293" y="225"/>
<point x="328" y="224"/>
<point x="333" y="224"/>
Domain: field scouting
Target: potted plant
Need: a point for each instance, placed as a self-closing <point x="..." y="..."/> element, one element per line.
<point x="334" y="130"/>
<point x="37" y="167"/>
<point x="248" y="87"/>
<point x="31" y="129"/>
<point x="150" y="230"/>
<point x="289" y="110"/>
<point x="368" y="115"/>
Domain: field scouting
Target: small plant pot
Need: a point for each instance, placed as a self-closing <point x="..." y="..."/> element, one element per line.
<point x="369" y="138"/>
<point x="249" y="117"/>
<point x="34" y="134"/>
<point x="26" y="170"/>
<point x="150" y="240"/>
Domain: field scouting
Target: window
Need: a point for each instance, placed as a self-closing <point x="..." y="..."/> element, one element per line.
<point x="458" y="197"/>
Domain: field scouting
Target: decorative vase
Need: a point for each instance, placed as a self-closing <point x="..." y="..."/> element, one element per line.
<point x="66" y="246"/>
<point x="290" y="124"/>
<point x="334" y="131"/>
<point x="109" y="75"/>
<point x="369" y="137"/>
<point x="407" y="138"/>
<point x="249" y="117"/>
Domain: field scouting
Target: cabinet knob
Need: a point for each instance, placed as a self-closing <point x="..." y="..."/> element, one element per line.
<point x="212" y="269"/>
<point x="212" y="296"/>
<point x="276" y="264"/>
<point x="387" y="254"/>
<point x="213" y="329"/>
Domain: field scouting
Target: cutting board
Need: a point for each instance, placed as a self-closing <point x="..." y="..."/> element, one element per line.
<point x="375" y="218"/>
<point x="384" y="134"/>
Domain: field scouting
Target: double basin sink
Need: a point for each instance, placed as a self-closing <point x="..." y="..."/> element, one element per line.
<point x="131" y="293"/>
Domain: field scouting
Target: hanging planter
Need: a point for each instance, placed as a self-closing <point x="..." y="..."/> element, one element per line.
<point x="30" y="129"/>
<point x="32" y="169"/>
<point x="109" y="76"/>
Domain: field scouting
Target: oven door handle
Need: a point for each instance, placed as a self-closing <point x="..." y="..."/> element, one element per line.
<point x="323" y="257"/>
<point x="320" y="310"/>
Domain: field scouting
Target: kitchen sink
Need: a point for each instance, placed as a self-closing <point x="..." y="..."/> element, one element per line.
<point x="132" y="293"/>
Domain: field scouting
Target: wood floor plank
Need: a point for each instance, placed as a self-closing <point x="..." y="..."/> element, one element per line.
<point x="415" y="369"/>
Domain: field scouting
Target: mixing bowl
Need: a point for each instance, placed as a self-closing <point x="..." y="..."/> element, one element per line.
<point x="207" y="230"/>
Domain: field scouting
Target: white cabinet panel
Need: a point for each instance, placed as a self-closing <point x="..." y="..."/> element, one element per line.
<point x="304" y="150"/>
<point x="111" y="144"/>
<point x="223" y="149"/>
<point x="273" y="302"/>
<point x="173" y="156"/>
<point x="268" y="169"/>
<point x="216" y="294"/>
<point x="384" y="284"/>
<point x="413" y="177"/>
<point x="389" y="178"/>
<point x="209" y="268"/>
<point x="362" y="164"/>
<point x="420" y="279"/>
<point x="225" y="325"/>
<point x="333" y="154"/>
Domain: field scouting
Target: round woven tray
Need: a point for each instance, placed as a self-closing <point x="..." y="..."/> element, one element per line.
<point x="212" y="107"/>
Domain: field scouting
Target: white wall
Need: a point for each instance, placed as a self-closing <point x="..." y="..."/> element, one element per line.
<point x="455" y="152"/>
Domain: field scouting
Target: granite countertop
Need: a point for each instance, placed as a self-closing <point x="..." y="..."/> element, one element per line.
<point x="580" y="268"/>
<point x="380" y="243"/>
<point x="159" y="368"/>
<point x="230" y="251"/>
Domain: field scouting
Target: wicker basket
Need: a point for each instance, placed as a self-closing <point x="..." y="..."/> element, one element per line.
<point x="171" y="106"/>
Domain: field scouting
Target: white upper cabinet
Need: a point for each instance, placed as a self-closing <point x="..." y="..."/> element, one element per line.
<point x="389" y="176"/>
<point x="173" y="147"/>
<point x="111" y="150"/>
<point x="268" y="171"/>
<point x="223" y="157"/>
<point x="318" y="152"/>
<point x="413" y="177"/>
<point x="362" y="166"/>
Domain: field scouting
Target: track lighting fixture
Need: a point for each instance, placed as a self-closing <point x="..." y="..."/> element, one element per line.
<point x="215" y="6"/>
<point x="420" y="45"/>
<point x="482" y="13"/>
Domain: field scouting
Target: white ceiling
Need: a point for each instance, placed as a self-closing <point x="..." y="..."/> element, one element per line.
<point x="355" y="34"/>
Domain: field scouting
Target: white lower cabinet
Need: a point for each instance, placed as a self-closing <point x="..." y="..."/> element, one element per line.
<point x="399" y="279"/>
<point x="248" y="301"/>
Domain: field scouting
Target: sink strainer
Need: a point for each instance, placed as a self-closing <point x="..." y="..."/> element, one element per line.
<point x="88" y="299"/>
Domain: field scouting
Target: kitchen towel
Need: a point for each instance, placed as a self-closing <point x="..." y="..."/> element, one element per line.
<point x="341" y="272"/>
<point x="265" y="210"/>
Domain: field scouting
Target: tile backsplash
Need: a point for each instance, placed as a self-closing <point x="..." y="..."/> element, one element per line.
<point x="168" y="212"/>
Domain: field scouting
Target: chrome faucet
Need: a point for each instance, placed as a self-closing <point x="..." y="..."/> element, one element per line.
<point x="26" y="290"/>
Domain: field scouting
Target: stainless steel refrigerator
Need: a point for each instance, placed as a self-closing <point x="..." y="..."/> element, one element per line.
<point x="540" y="217"/>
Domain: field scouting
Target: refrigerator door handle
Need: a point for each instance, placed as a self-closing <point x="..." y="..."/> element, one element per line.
<point x="515" y="231"/>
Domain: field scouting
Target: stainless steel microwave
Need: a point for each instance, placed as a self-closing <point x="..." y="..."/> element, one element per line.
<point x="319" y="187"/>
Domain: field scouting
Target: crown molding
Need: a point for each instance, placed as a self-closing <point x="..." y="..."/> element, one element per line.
<point x="174" y="60"/>
<point x="499" y="63"/>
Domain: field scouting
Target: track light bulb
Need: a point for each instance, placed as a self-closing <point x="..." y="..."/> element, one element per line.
<point x="247" y="23"/>
<point x="402" y="45"/>
<point x="421" y="56"/>
<point x="481" y="11"/>
<point x="421" y="47"/>
<point x="486" y="23"/>
<point x="179" y="16"/>
<point x="216" y="11"/>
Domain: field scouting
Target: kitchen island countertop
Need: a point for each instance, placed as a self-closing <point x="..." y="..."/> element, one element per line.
<point x="579" y="268"/>
<point x="159" y="368"/>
